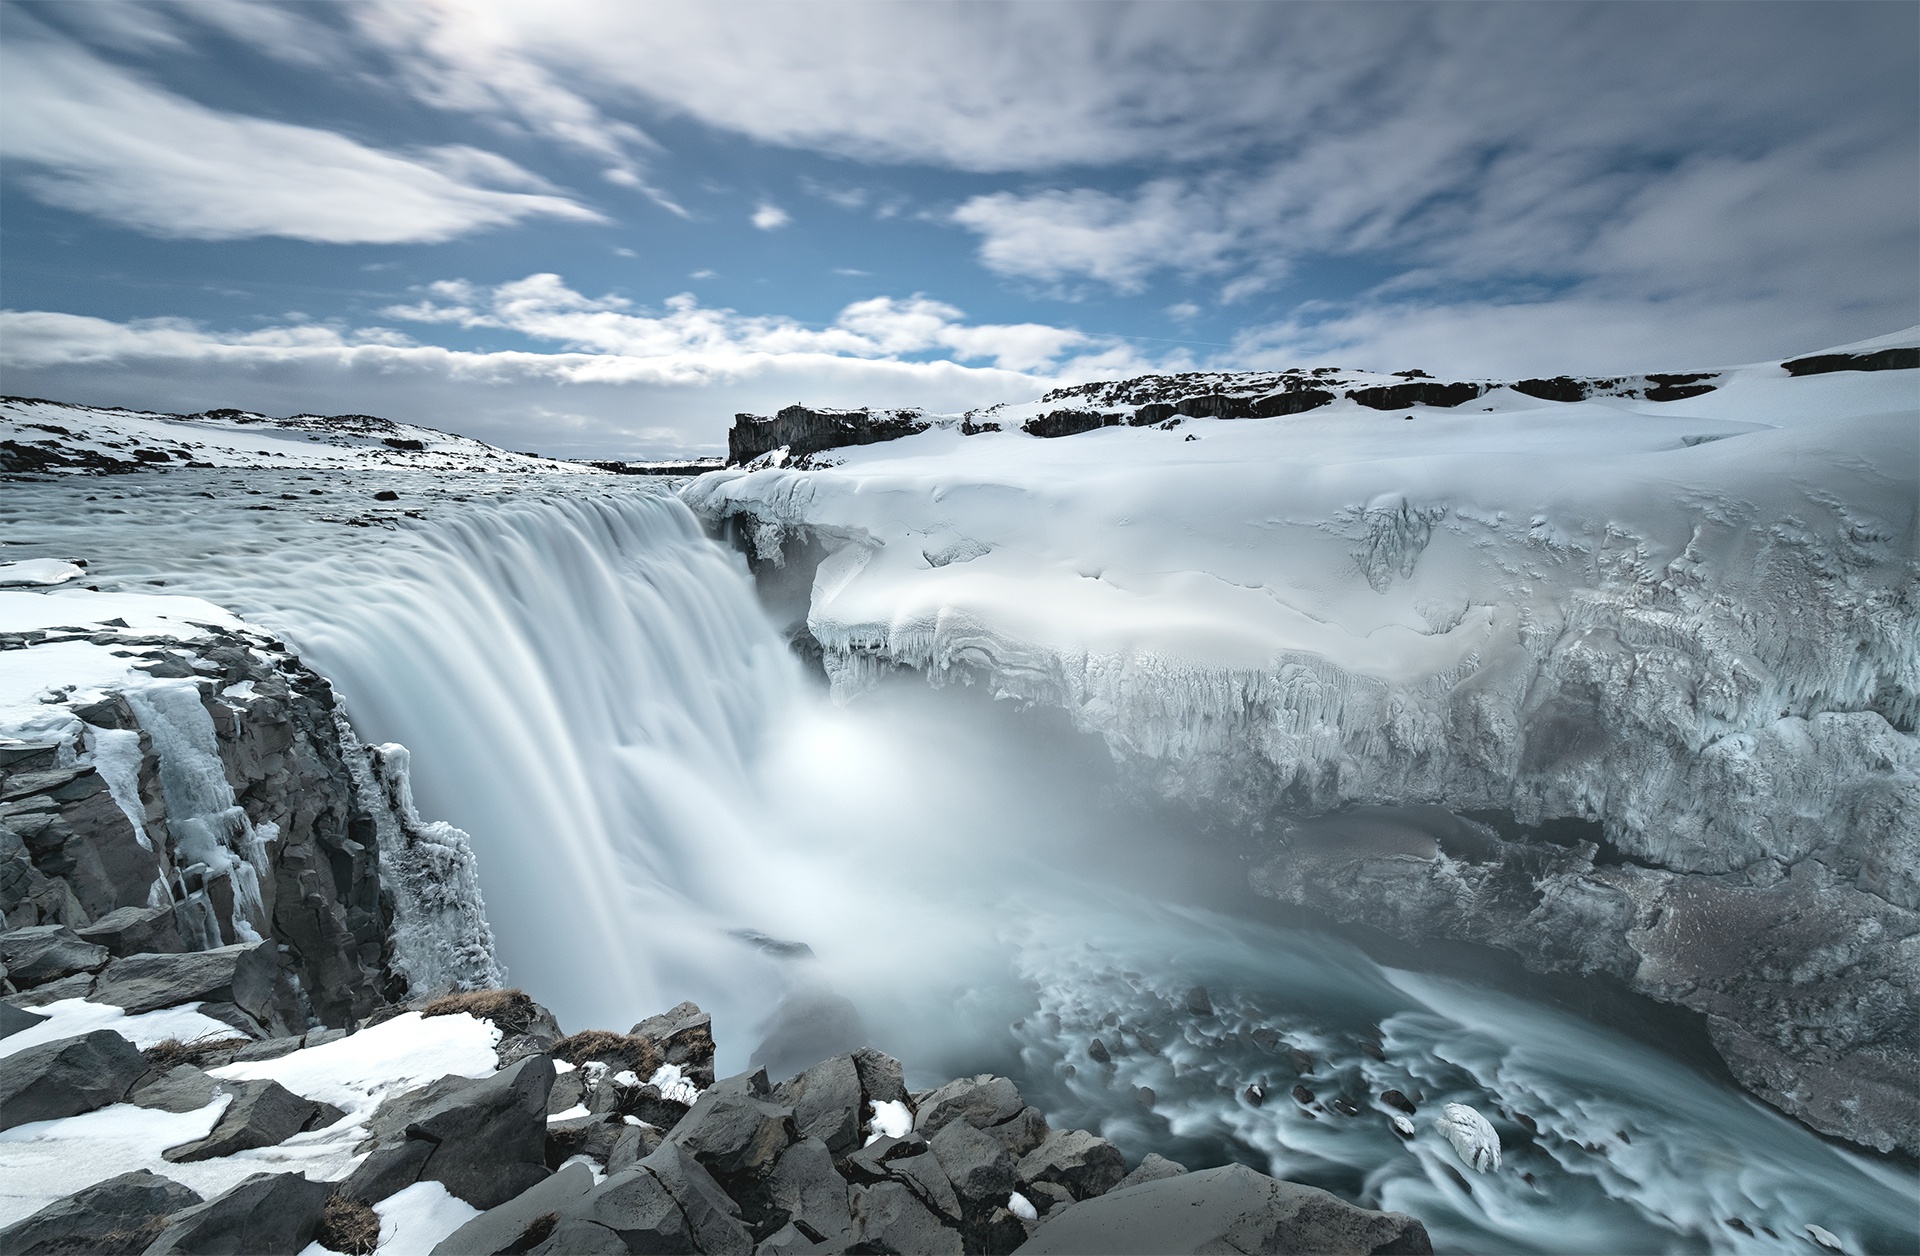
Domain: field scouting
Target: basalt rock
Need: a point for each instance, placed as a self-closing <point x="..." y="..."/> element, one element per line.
<point x="802" y="431"/>
<point x="41" y="953"/>
<point x="121" y="1216"/>
<point x="269" y="1214"/>
<point x="67" y="1077"/>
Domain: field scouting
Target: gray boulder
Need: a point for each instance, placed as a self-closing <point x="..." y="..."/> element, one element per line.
<point x="263" y="1114"/>
<point x="684" y="1035"/>
<point x="1087" y="1166"/>
<point x="804" y="1189"/>
<point x="67" y="1077"/>
<point x="1152" y="1168"/>
<point x="268" y="1049"/>
<point x="1022" y="1132"/>
<point x="269" y="1214"/>
<point x="924" y="1175"/>
<point x="826" y="1102"/>
<point x="891" y="1219"/>
<point x="43" y="953"/>
<point x="490" y="1136"/>
<point x="182" y="1088"/>
<point x="14" y="1019"/>
<point x="78" y="986"/>
<point x="507" y="1227"/>
<point x="882" y="1079"/>
<point x="733" y="1133"/>
<point x="135" y="931"/>
<point x="387" y="1170"/>
<point x="593" y="1135"/>
<point x="1230" y="1209"/>
<point x="636" y="1143"/>
<point x="979" y="1101"/>
<point x="979" y="1167"/>
<point x="244" y="975"/>
<point x="118" y="1217"/>
<point x="713" y="1216"/>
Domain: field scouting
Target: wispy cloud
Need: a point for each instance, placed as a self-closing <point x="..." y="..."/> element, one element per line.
<point x="770" y="217"/>
<point x="89" y="136"/>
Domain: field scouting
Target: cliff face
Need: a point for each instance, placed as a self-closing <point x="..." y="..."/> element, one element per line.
<point x="802" y="431"/>
<point x="211" y="804"/>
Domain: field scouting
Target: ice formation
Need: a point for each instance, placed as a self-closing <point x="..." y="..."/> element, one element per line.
<point x="1471" y="1135"/>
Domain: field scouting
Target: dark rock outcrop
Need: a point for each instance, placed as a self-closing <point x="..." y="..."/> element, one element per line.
<point x="38" y="954"/>
<point x="1056" y="423"/>
<point x="245" y="975"/>
<point x="484" y="1140"/>
<point x="67" y="1077"/>
<point x="263" y="1114"/>
<point x="121" y="1216"/>
<point x="1907" y="359"/>
<point x="1415" y="393"/>
<point x="802" y="431"/>
<point x="1231" y="1209"/>
<point x="269" y="1214"/>
<point x="136" y="930"/>
<point x="507" y="1227"/>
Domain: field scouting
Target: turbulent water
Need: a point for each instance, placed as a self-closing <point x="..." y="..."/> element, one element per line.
<point x="656" y="793"/>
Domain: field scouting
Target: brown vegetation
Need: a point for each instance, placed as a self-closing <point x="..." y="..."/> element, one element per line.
<point x="348" y="1225"/>
<point x="171" y="1052"/>
<point x="511" y="1010"/>
<point x="632" y="1051"/>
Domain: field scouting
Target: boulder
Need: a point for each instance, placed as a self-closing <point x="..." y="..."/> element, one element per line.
<point x="505" y="1227"/>
<point x="268" y="1049"/>
<point x="1230" y="1209"/>
<point x="882" y="1079"/>
<point x="803" y="1189"/>
<point x="269" y="1214"/>
<point x="244" y="975"/>
<point x="14" y="1019"/>
<point x="78" y="986"/>
<point x="263" y="1114"/>
<point x="1022" y="1132"/>
<point x="979" y="1166"/>
<point x="569" y="1092"/>
<point x="733" y="1133"/>
<point x="43" y="953"/>
<point x="68" y="1077"/>
<point x="981" y="1101"/>
<point x="713" y="1217"/>
<point x="182" y="1088"/>
<point x="1153" y="1167"/>
<point x="924" y="1174"/>
<point x="636" y="1143"/>
<point x="593" y="1135"/>
<point x="135" y="931"/>
<point x="1472" y="1135"/>
<point x="118" y="1217"/>
<point x="489" y="1136"/>
<point x="826" y="1102"/>
<point x="387" y="1170"/>
<point x="890" y="1218"/>
<point x="1087" y="1166"/>
<point x="684" y="1035"/>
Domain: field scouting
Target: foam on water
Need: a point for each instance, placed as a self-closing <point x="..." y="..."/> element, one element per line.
<point x="588" y="687"/>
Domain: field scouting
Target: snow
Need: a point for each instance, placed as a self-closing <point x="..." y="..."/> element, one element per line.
<point x="890" y="1120"/>
<point x="39" y="571"/>
<point x="1022" y="1207"/>
<point x="356" y="1072"/>
<point x="674" y="1084"/>
<point x="415" y="1220"/>
<point x="1353" y="605"/>
<point x="83" y="436"/>
<point x="47" y="1160"/>
<point x="1471" y="1135"/>
<point x="576" y="1111"/>
<point x="70" y="1018"/>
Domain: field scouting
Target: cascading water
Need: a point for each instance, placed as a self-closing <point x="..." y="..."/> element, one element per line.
<point x="587" y="686"/>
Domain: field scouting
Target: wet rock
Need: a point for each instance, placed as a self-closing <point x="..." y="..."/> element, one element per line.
<point x="1230" y="1209"/>
<point x="136" y="931"/>
<point x="1087" y="1166"/>
<point x="980" y="1101"/>
<point x="1152" y="1168"/>
<point x="269" y="1214"/>
<point x="826" y="1102"/>
<point x="1302" y="1062"/>
<point x="1255" y="1094"/>
<point x="1395" y="1099"/>
<point x="1401" y="1125"/>
<point x="1198" y="1002"/>
<point x="505" y="1227"/>
<point x="891" y="1219"/>
<point x="43" y="953"/>
<point x="244" y="975"/>
<point x="68" y="1077"/>
<point x="1302" y="1096"/>
<point x="1343" y="1106"/>
<point x="118" y="1217"/>
<point x="1266" y="1039"/>
<point x="1021" y="1133"/>
<point x="1098" y="1053"/>
<point x="263" y="1114"/>
<point x="1472" y="1136"/>
<point x="1373" y="1050"/>
<point x="979" y="1166"/>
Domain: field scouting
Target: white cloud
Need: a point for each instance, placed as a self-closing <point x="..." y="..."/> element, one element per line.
<point x="1183" y="311"/>
<point x="1057" y="235"/>
<point x="770" y="217"/>
<point x="88" y="136"/>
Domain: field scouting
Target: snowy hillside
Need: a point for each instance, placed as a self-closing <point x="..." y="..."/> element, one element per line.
<point x="51" y="436"/>
<point x="1678" y="609"/>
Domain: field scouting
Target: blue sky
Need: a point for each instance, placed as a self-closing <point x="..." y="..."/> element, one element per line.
<point x="601" y="229"/>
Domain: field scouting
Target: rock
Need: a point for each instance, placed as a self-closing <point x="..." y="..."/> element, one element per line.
<point x="504" y="1228"/>
<point x="1098" y="1053"/>
<point x="121" y="1216"/>
<point x="923" y="1172"/>
<point x="1302" y="1096"/>
<point x="734" y="1133"/>
<point x="135" y="931"/>
<point x="1255" y="1094"/>
<point x="569" y="1092"/>
<point x="1905" y="359"/>
<point x="1395" y="1099"/>
<point x="979" y="1166"/>
<point x="1022" y="1132"/>
<point x="14" y="1019"/>
<point x="1471" y="1135"/>
<point x="869" y="1164"/>
<point x="635" y="1143"/>
<point x="890" y="1218"/>
<point x="1199" y="1003"/>
<point x="1400" y="396"/>
<point x="43" y="953"/>
<point x="244" y="975"/>
<point x="263" y="1114"/>
<point x="1153" y="1167"/>
<point x="786" y="1241"/>
<point x="269" y="1214"/>
<point x="713" y="1217"/>
<point x="78" y="986"/>
<point x="68" y="1077"/>
<point x="980" y="1101"/>
<point x="684" y="1035"/>
<point x="268" y="1049"/>
<point x="1144" y="1096"/>
<point x="802" y="431"/>
<point x="1266" y="1039"/>
<point x="882" y="1080"/>
<point x="804" y="1189"/>
<point x="1087" y="1166"/>
<point x="1302" y="1062"/>
<point x="1048" y="1197"/>
<point x="182" y="1088"/>
<point x="594" y="1136"/>
<point x="1401" y="1125"/>
<point x="1230" y="1209"/>
<point x="489" y="1136"/>
<point x="387" y="1170"/>
<point x="826" y="1102"/>
<point x="1056" y="423"/>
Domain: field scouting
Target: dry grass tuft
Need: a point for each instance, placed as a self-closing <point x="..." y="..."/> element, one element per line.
<point x="349" y="1226"/>
<point x="624" y="1050"/>
<point x="511" y="1010"/>
<point x="171" y="1052"/>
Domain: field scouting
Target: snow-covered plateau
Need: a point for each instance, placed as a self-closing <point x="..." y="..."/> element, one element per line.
<point x="1653" y="641"/>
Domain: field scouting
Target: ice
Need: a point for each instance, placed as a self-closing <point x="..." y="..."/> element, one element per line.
<point x="1471" y="1136"/>
<point x="356" y="1072"/>
<point x="39" y="571"/>
<point x="69" y="1018"/>
<point x="116" y="756"/>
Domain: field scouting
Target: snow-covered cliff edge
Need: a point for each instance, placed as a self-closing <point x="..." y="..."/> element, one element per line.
<point x="1683" y="612"/>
